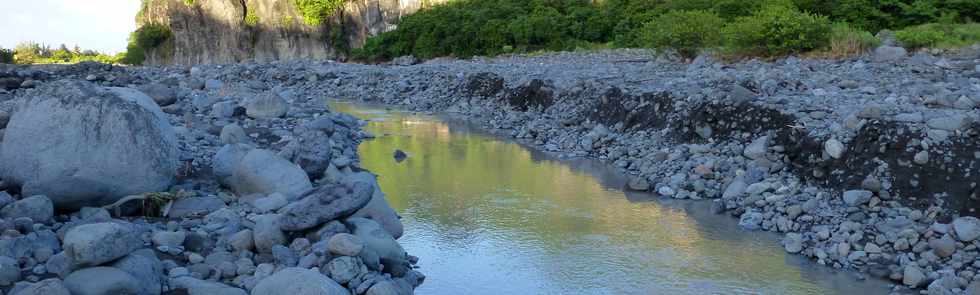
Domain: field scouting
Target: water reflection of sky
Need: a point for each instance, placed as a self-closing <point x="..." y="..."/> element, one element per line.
<point x="491" y="217"/>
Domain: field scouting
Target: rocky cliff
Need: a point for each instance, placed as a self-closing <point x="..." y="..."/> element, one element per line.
<point x="227" y="31"/>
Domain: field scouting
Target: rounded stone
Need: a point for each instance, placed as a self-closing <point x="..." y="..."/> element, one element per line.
<point x="344" y="244"/>
<point x="294" y="281"/>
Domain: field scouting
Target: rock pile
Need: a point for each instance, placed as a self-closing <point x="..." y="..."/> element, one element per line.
<point x="146" y="189"/>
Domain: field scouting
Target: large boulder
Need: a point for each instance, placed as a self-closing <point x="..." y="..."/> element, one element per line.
<point x="378" y="208"/>
<point x="195" y="286"/>
<point x="268" y="232"/>
<point x="37" y="208"/>
<point x="146" y="268"/>
<point x="45" y="287"/>
<point x="967" y="228"/>
<point x="326" y="203"/>
<point x="83" y="145"/>
<point x="162" y="95"/>
<point x="294" y="280"/>
<point x="9" y="271"/>
<point x="102" y="280"/>
<point x="98" y="243"/>
<point x="266" y="105"/>
<point x="311" y="150"/>
<point x="257" y="171"/>
<point x="376" y="239"/>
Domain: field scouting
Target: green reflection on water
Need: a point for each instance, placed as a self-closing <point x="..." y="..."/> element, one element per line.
<point x="490" y="217"/>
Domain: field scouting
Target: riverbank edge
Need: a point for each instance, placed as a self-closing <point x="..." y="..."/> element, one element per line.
<point x="825" y="227"/>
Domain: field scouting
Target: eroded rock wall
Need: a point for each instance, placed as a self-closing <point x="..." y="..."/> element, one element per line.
<point x="216" y="31"/>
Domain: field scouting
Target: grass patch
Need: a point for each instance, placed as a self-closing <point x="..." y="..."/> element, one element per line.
<point x="940" y="35"/>
<point x="847" y="41"/>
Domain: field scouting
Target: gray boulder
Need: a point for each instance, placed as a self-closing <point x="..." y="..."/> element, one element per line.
<point x="311" y="150"/>
<point x="266" y="105"/>
<point x="146" y="268"/>
<point x="386" y="287"/>
<point x="913" y="276"/>
<point x="345" y="244"/>
<point x="856" y="197"/>
<point x="345" y="268"/>
<point x="751" y="220"/>
<point x="378" y="208"/>
<point x="793" y="242"/>
<point x="889" y="53"/>
<point x="268" y="233"/>
<point x="9" y="271"/>
<point x="98" y="243"/>
<point x="376" y="239"/>
<point x="226" y="159"/>
<point x="943" y="247"/>
<point x="259" y="171"/>
<point x="163" y="95"/>
<point x="195" y="286"/>
<point x="37" y="208"/>
<point x="294" y="280"/>
<point x="326" y="203"/>
<point x="102" y="280"/>
<point x="967" y="228"/>
<point x="232" y="134"/>
<point x="83" y="145"/>
<point x="45" y="287"/>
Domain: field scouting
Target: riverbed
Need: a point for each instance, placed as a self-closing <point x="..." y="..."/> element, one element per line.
<point x="491" y="216"/>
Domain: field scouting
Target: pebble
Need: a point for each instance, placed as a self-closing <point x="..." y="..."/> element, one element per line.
<point x="834" y="148"/>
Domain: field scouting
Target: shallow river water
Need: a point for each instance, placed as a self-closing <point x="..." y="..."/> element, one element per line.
<point x="490" y="216"/>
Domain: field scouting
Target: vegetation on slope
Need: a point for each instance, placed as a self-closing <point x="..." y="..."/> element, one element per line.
<point x="36" y="53"/>
<point x="145" y="38"/>
<point x="315" y="12"/>
<point x="467" y="28"/>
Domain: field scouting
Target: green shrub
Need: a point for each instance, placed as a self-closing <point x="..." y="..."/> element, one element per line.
<point x="149" y="36"/>
<point x="731" y="9"/>
<point x="777" y="30"/>
<point x="939" y="35"/>
<point x="251" y="18"/>
<point x="488" y="27"/>
<point x="6" y="56"/>
<point x="314" y="12"/>
<point x="152" y="35"/>
<point x="465" y="28"/>
<point x="846" y="40"/>
<point x="919" y="37"/>
<point x="36" y="53"/>
<point x="687" y="32"/>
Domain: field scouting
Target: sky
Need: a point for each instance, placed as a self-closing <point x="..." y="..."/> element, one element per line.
<point x="101" y="25"/>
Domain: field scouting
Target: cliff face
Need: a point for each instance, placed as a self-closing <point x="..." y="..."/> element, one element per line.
<point x="228" y="31"/>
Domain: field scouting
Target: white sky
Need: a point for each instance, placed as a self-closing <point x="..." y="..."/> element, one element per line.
<point x="101" y="25"/>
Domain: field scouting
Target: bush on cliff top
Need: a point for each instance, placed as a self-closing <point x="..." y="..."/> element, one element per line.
<point x="315" y="12"/>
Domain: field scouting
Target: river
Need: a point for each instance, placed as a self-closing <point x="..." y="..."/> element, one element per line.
<point x="489" y="216"/>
